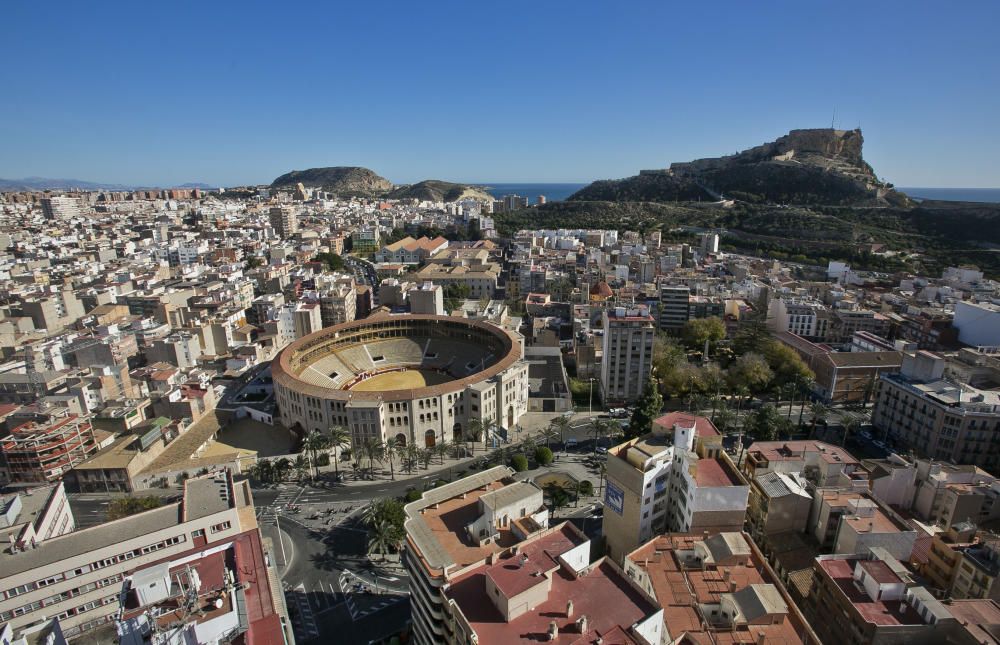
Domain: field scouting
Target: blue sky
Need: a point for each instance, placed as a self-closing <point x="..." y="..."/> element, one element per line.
<point x="228" y="93"/>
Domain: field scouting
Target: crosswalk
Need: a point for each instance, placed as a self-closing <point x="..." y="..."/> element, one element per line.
<point x="344" y="582"/>
<point x="305" y="623"/>
<point x="267" y="514"/>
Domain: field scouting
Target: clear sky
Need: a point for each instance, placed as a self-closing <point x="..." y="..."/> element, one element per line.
<point x="227" y="93"/>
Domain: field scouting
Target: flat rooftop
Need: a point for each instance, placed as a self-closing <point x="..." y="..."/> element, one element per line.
<point x="714" y="473"/>
<point x="879" y="612"/>
<point x="702" y="425"/>
<point x="798" y="450"/>
<point x="680" y="591"/>
<point x="436" y="523"/>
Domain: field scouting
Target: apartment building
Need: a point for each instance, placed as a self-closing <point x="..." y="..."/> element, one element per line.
<point x="546" y="588"/>
<point x="874" y="600"/>
<point x="61" y="208"/>
<point x="674" y="479"/>
<point x="716" y="588"/>
<point x="411" y="251"/>
<point x="98" y="581"/>
<point x="937" y="417"/>
<point x="674" y="307"/>
<point x="778" y="502"/>
<point x="458" y="525"/>
<point x="53" y="312"/>
<point x="628" y="354"/>
<point x="822" y="464"/>
<point x="35" y="514"/>
<point x="284" y="220"/>
<point x="44" y="449"/>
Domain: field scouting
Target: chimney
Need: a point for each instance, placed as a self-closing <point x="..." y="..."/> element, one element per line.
<point x="732" y="586"/>
<point x="761" y="638"/>
<point x="582" y="624"/>
<point x="553" y="631"/>
<point x="569" y="608"/>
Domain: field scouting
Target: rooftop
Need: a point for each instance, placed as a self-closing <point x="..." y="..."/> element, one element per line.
<point x="798" y="450"/>
<point x="713" y="473"/>
<point x="602" y="593"/>
<point x="879" y="612"/>
<point x="681" y="590"/>
<point x="703" y="426"/>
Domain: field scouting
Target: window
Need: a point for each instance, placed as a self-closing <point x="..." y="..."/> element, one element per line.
<point x="224" y="526"/>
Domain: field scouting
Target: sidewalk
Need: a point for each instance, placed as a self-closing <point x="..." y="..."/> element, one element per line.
<point x="532" y="424"/>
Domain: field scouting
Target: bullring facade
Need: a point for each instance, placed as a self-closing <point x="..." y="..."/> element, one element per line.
<point x="408" y="379"/>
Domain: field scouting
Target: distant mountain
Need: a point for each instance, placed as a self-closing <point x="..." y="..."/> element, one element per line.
<point x="342" y="180"/>
<point x="435" y="190"/>
<point x="818" y="166"/>
<point x="45" y="183"/>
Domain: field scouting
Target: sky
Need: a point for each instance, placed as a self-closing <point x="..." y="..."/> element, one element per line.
<point x="162" y="93"/>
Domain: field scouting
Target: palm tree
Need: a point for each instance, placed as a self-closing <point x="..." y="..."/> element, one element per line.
<point x="301" y="466"/>
<point x="389" y="452"/>
<point x="474" y="432"/>
<point x="313" y="443"/>
<point x="409" y="458"/>
<point x="281" y="468"/>
<point x="547" y="434"/>
<point x="442" y="449"/>
<point x="339" y="437"/>
<point x="851" y="423"/>
<point x="560" y="424"/>
<point x="819" y="413"/>
<point x="598" y="428"/>
<point x="379" y="537"/>
<point x="375" y="450"/>
<point x="426" y="454"/>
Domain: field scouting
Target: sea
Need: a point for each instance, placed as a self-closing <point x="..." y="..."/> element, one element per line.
<point x="552" y="192"/>
<point x="990" y="195"/>
<point x="559" y="192"/>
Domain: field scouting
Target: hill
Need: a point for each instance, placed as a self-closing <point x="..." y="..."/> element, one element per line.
<point x="435" y="190"/>
<point x="28" y="184"/>
<point x="342" y="180"/>
<point x="818" y="166"/>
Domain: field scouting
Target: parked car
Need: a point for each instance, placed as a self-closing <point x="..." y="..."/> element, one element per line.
<point x="572" y="443"/>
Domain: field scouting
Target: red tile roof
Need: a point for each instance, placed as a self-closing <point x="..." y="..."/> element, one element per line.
<point x="703" y="426"/>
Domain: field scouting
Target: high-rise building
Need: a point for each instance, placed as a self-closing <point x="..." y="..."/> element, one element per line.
<point x="514" y="202"/>
<point x="61" y="207"/>
<point x="284" y="220"/>
<point x="674" y="307"/>
<point x="427" y="298"/>
<point x="677" y="478"/>
<point x="628" y="354"/>
<point x="709" y="243"/>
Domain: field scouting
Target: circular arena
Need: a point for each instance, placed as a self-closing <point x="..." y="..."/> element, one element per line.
<point x="408" y="379"/>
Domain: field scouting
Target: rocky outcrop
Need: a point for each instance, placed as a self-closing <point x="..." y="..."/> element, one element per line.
<point x="435" y="190"/>
<point x="341" y="180"/>
<point x="819" y="166"/>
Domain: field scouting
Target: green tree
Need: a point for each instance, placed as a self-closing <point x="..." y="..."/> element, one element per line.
<point x="426" y="455"/>
<point x="314" y="443"/>
<point x="475" y="432"/>
<point x="543" y="455"/>
<point x="750" y="372"/>
<point x="125" y="506"/>
<point x="332" y="261"/>
<point x="557" y="495"/>
<point x="560" y="425"/>
<point x="586" y="488"/>
<point x="384" y="518"/>
<point x="698" y="331"/>
<point x="339" y="437"/>
<point x="301" y="466"/>
<point x="548" y="433"/>
<point x="764" y="423"/>
<point x="647" y="409"/>
<point x="519" y="463"/>
<point x="786" y="364"/>
<point x="819" y="413"/>
<point x="281" y="468"/>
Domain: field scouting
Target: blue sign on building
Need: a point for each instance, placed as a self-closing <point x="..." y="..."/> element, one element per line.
<point x="614" y="498"/>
